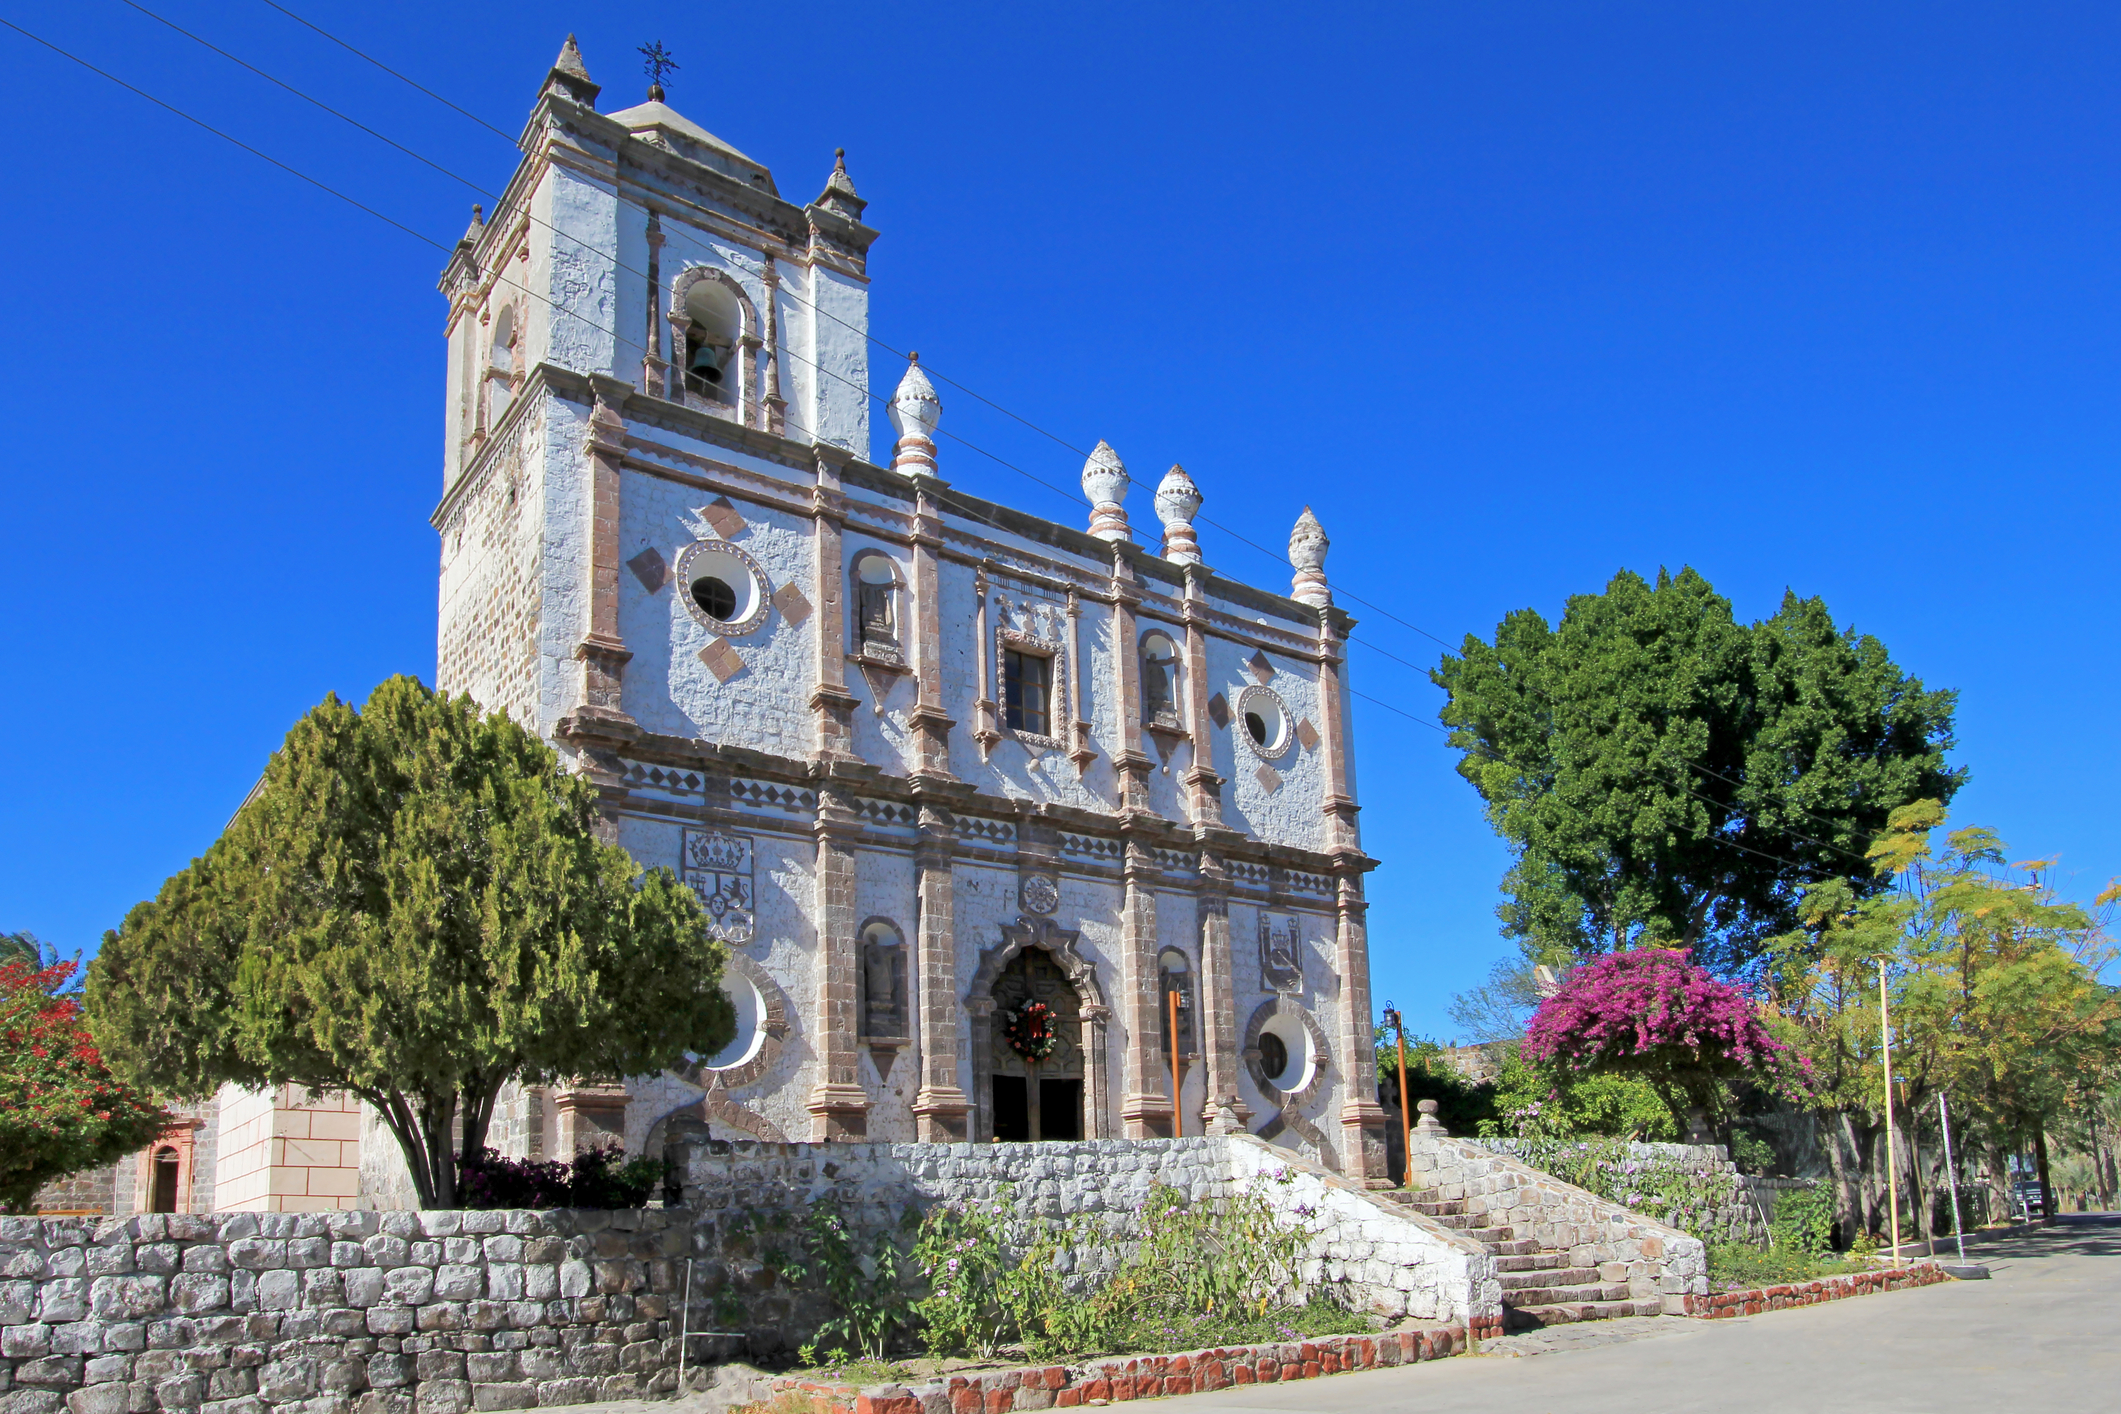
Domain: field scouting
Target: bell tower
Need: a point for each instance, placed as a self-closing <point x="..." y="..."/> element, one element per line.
<point x="635" y="261"/>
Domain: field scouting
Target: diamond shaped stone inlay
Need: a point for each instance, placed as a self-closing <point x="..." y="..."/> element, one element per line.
<point x="790" y="601"/>
<point x="722" y="660"/>
<point x="649" y="568"/>
<point x="1269" y="779"/>
<point x="1307" y="734"/>
<point x="723" y="517"/>
<point x="1219" y="710"/>
<point x="1261" y="668"/>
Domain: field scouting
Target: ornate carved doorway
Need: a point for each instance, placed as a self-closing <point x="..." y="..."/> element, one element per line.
<point x="1042" y="1099"/>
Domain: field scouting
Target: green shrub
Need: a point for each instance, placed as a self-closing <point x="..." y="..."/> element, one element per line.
<point x="1740" y="1266"/>
<point x="1804" y="1221"/>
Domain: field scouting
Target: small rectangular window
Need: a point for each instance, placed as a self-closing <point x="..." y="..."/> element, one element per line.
<point x="1027" y="680"/>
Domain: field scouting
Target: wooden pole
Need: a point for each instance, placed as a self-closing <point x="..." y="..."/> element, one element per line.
<point x="1178" y="1128"/>
<point x="1892" y="1163"/>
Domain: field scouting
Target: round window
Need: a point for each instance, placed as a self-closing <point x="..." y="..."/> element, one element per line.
<point x="724" y="588"/>
<point x="715" y="596"/>
<point x="750" y="1010"/>
<point x="1266" y="721"/>
<point x="1273" y="1056"/>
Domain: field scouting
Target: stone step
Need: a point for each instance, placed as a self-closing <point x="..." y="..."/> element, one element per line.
<point x="1490" y="1235"/>
<point x="1440" y="1207"/>
<point x="1572" y="1294"/>
<point x="1513" y="1282"/>
<point x="1520" y="1317"/>
<point x="1516" y="1247"/>
<point x="1532" y="1262"/>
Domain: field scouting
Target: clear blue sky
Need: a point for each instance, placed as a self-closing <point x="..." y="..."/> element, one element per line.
<point x="1819" y="296"/>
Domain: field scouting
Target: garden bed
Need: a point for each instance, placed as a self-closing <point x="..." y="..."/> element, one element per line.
<point x="1123" y="1377"/>
<point x="1722" y="1305"/>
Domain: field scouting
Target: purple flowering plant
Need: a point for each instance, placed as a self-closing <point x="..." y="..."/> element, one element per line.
<point x="1654" y="1013"/>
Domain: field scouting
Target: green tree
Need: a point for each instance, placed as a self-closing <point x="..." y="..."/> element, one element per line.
<point x="1664" y="773"/>
<point x="413" y="907"/>
<point x="61" y="1110"/>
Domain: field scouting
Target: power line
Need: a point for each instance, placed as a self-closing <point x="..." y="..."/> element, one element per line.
<point x="619" y="340"/>
<point x="389" y="70"/>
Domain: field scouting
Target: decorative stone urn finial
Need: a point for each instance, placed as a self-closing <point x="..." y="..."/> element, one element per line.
<point x="1177" y="499"/>
<point x="1429" y="1123"/>
<point x="916" y="413"/>
<point x="1307" y="551"/>
<point x="1105" y="483"/>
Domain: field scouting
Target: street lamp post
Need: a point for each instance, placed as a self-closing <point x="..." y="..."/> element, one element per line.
<point x="1406" y="1124"/>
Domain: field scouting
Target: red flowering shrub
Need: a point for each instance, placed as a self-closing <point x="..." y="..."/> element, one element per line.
<point x="1654" y="1014"/>
<point x="61" y="1111"/>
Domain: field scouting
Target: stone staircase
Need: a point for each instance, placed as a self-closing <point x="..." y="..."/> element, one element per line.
<point x="1539" y="1286"/>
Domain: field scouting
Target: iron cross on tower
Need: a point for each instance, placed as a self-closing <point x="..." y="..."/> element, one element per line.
<point x="658" y="63"/>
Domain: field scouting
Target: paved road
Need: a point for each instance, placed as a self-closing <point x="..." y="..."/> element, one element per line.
<point x="2043" y="1336"/>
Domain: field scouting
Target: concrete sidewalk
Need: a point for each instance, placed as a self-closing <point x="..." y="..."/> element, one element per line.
<point x="2044" y="1334"/>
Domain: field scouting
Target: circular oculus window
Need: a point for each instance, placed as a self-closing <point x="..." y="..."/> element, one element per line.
<point x="1263" y="722"/>
<point x="1287" y="1057"/>
<point x="722" y="587"/>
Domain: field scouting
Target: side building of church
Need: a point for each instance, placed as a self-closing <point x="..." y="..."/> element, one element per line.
<point x="929" y="760"/>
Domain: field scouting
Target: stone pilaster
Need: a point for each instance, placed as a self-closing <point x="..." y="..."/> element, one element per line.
<point x="831" y="704"/>
<point x="601" y="652"/>
<point x="655" y="369"/>
<point x="1145" y="1110"/>
<point x="931" y="724"/>
<point x="1362" y="1119"/>
<point x="839" y="1106"/>
<point x="939" y="1107"/>
<point x="1338" y="801"/>
<point x="1223" y="1112"/>
<point x="1132" y="762"/>
<point x="1204" y="798"/>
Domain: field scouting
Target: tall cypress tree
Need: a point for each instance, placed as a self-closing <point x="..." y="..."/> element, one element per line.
<point x="413" y="907"/>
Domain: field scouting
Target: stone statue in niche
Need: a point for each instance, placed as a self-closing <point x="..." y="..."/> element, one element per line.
<point x="1281" y="964"/>
<point x="883" y="986"/>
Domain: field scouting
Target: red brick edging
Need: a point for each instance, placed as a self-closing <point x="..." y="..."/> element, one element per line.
<point x="1720" y="1305"/>
<point x="1134" y="1376"/>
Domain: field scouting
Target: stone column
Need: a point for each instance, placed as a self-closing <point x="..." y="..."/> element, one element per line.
<point x="776" y="405"/>
<point x="1204" y="800"/>
<point x="939" y="1106"/>
<point x="1223" y="1112"/>
<point x="1145" y="1111"/>
<point x="601" y="652"/>
<point x="654" y="370"/>
<point x="831" y="704"/>
<point x="839" y="1106"/>
<point x="1362" y="1119"/>
<point x="931" y="724"/>
<point x="1134" y="765"/>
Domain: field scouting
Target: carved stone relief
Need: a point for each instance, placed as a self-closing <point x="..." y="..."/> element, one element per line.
<point x="717" y="867"/>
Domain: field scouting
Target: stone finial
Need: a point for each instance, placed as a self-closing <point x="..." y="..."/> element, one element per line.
<point x="916" y="413"/>
<point x="1307" y="551"/>
<point x="477" y="228"/>
<point x="569" y="76"/>
<point x="1428" y="1123"/>
<point x="1105" y="483"/>
<point x="839" y="190"/>
<point x="1177" y="498"/>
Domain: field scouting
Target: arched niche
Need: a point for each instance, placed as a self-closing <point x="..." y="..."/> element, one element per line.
<point x="1062" y="945"/>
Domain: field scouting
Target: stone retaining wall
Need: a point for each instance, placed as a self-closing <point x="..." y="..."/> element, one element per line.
<point x="1368" y="1254"/>
<point x="447" y="1312"/>
<point x="1658" y="1263"/>
<point x="1743" y="1217"/>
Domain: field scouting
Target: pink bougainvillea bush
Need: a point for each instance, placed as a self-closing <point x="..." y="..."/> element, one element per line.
<point x="1653" y="1013"/>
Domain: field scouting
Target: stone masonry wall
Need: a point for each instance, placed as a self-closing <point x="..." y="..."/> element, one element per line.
<point x="1656" y="1261"/>
<point x="1742" y="1216"/>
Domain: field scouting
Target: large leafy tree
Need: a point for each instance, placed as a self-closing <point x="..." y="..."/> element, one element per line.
<point x="415" y="907"/>
<point x="61" y="1109"/>
<point x="1665" y="773"/>
<point x="1994" y="982"/>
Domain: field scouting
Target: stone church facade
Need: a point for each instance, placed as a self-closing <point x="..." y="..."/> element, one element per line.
<point x="925" y="757"/>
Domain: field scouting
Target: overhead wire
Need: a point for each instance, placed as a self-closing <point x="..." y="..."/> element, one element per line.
<point x="620" y="340"/>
